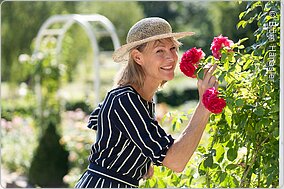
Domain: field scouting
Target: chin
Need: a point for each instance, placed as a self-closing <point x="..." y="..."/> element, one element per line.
<point x="171" y="77"/>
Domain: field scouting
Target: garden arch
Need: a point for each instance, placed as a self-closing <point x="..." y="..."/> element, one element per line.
<point x="85" y="22"/>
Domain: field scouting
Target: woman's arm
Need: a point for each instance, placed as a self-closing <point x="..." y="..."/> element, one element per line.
<point x="182" y="149"/>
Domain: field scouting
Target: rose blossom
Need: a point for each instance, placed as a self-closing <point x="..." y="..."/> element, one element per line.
<point x="218" y="43"/>
<point x="188" y="70"/>
<point x="212" y="102"/>
<point x="216" y="105"/>
<point x="190" y="60"/>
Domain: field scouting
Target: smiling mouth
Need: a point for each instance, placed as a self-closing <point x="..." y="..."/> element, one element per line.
<point x="167" y="68"/>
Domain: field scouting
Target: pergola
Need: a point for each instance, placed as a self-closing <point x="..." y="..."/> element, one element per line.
<point x="85" y="21"/>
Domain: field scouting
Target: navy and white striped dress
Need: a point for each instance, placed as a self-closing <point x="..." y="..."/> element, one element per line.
<point x="128" y="140"/>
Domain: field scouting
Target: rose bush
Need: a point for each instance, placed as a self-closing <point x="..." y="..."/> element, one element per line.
<point x="242" y="150"/>
<point x="191" y="65"/>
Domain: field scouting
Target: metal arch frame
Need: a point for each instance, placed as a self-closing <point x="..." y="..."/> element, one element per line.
<point x="84" y="22"/>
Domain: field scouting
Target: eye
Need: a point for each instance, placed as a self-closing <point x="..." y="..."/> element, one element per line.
<point x="159" y="51"/>
<point x="174" y="48"/>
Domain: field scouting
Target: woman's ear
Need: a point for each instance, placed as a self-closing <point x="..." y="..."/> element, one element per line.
<point x="137" y="56"/>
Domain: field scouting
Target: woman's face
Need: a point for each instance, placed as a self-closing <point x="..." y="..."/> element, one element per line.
<point x="159" y="60"/>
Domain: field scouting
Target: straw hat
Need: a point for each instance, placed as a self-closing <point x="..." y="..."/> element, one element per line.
<point x="145" y="30"/>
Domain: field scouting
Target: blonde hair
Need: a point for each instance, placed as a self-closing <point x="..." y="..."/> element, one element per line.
<point x="132" y="73"/>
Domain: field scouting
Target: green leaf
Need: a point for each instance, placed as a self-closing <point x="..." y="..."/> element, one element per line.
<point x="231" y="69"/>
<point x="275" y="108"/>
<point x="201" y="149"/>
<point x="232" y="154"/>
<point x="231" y="57"/>
<point x="241" y="15"/>
<point x="242" y="23"/>
<point x="152" y="182"/>
<point x="174" y="126"/>
<point x="247" y="64"/>
<point x="183" y="117"/>
<point x="256" y="4"/>
<point x="161" y="184"/>
<point x="175" y="179"/>
<point x="228" y="115"/>
<point x="200" y="74"/>
<point x="208" y="162"/>
<point x="219" y="152"/>
<point x="230" y="101"/>
<point x="230" y="144"/>
<point x="169" y="172"/>
<point x="215" y="165"/>
<point x="269" y="180"/>
<point x="248" y="107"/>
<point x="146" y="184"/>
<point x="239" y="102"/>
<point x="231" y="166"/>
<point x="226" y="65"/>
<point x="222" y="176"/>
<point x="228" y="78"/>
<point x="236" y="182"/>
<point x="241" y="47"/>
<point x="201" y="169"/>
<point x="243" y="40"/>
<point x="221" y="77"/>
<point x="259" y="111"/>
<point x="223" y="55"/>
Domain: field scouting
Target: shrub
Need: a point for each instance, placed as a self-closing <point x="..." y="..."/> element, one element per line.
<point x="50" y="162"/>
<point x="243" y="147"/>
<point x="17" y="143"/>
<point x="73" y="105"/>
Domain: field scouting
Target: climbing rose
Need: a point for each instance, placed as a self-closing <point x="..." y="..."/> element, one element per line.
<point x="212" y="102"/>
<point x="190" y="60"/>
<point x="218" y="43"/>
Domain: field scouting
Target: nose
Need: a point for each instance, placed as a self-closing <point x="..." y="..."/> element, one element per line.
<point x="170" y="55"/>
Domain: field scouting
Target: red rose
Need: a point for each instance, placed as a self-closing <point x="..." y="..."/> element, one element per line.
<point x="192" y="56"/>
<point x="218" y="43"/>
<point x="188" y="70"/>
<point x="208" y="94"/>
<point x="190" y="60"/>
<point x="216" y="105"/>
<point x="212" y="102"/>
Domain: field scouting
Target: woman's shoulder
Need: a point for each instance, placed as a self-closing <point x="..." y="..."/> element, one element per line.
<point x="123" y="92"/>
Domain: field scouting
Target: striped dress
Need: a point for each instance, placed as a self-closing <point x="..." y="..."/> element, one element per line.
<point x="128" y="140"/>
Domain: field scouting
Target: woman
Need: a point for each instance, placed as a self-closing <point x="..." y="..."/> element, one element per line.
<point x="129" y="139"/>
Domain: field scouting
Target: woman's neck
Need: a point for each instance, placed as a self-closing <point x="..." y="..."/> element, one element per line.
<point x="148" y="90"/>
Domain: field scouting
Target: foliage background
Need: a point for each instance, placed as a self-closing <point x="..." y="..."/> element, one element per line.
<point x="71" y="94"/>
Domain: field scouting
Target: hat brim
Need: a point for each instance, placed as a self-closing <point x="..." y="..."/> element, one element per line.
<point x="121" y="54"/>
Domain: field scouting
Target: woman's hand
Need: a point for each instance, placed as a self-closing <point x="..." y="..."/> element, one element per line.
<point x="209" y="80"/>
<point x="149" y="173"/>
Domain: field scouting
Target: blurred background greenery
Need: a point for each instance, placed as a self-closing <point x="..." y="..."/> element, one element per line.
<point x="20" y="22"/>
<point x="23" y="131"/>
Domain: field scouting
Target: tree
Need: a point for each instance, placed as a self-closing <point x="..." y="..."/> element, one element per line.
<point x="116" y="12"/>
<point x="19" y="27"/>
